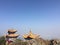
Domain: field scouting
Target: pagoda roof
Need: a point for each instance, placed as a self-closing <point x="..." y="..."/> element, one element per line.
<point x="30" y="35"/>
<point x="12" y="30"/>
<point x="12" y="35"/>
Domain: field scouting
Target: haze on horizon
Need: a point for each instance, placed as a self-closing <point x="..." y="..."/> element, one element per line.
<point x="41" y="16"/>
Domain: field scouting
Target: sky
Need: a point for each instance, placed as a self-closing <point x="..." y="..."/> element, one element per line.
<point x="41" y="16"/>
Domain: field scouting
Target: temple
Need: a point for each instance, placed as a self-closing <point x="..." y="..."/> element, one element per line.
<point x="30" y="35"/>
<point x="11" y="36"/>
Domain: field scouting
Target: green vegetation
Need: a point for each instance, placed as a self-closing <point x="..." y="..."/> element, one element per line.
<point x="2" y="40"/>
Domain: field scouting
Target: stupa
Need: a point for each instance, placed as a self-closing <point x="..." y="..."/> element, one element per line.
<point x="30" y="35"/>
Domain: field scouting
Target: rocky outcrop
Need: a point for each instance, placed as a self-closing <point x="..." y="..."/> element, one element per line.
<point x="38" y="41"/>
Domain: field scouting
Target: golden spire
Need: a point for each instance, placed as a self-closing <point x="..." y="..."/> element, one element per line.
<point x="30" y="32"/>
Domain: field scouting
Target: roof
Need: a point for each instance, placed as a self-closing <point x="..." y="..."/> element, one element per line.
<point x="12" y="30"/>
<point x="12" y="35"/>
<point x="31" y="35"/>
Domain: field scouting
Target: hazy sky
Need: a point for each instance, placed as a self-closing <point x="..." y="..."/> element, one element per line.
<point x="41" y="16"/>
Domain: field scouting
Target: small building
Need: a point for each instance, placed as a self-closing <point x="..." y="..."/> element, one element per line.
<point x="30" y="35"/>
<point x="11" y="36"/>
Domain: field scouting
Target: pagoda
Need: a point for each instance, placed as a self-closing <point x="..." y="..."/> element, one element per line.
<point x="11" y="36"/>
<point x="30" y="36"/>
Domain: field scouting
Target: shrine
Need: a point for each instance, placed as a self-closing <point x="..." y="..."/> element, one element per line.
<point x="30" y="35"/>
<point x="11" y="36"/>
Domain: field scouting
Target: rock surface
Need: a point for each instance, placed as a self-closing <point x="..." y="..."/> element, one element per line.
<point x="37" y="41"/>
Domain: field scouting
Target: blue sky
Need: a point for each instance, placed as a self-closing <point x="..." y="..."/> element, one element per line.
<point x="42" y="16"/>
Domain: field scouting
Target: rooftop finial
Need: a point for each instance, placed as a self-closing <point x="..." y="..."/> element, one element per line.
<point x="30" y="30"/>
